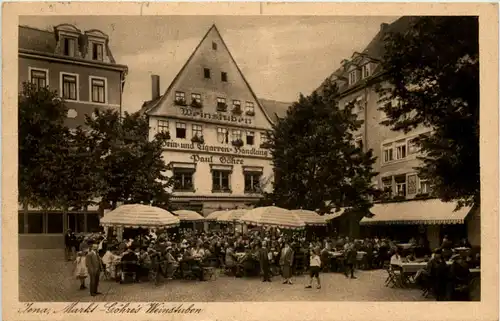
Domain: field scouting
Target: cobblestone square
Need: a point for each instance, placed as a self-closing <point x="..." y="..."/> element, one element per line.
<point x="44" y="276"/>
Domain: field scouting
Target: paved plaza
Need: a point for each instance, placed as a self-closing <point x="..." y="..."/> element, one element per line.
<point x="44" y="276"/>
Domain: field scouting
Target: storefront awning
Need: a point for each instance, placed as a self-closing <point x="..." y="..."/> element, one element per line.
<point x="427" y="212"/>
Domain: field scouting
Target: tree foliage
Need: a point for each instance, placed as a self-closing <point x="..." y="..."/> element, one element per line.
<point x="315" y="157"/>
<point x="433" y="74"/>
<point x="109" y="160"/>
<point x="130" y="164"/>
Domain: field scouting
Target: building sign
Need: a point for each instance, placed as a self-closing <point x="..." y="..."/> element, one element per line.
<point x="226" y="160"/>
<point x="218" y="149"/>
<point x="215" y="116"/>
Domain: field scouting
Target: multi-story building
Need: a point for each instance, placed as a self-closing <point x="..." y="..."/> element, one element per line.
<point x="396" y="153"/>
<point x="217" y="150"/>
<point x="81" y="68"/>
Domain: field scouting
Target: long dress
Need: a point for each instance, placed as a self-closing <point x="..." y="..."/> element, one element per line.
<point x="286" y="261"/>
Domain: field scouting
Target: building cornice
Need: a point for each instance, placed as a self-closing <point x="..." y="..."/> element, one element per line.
<point x="198" y="120"/>
<point x="243" y="198"/>
<point x="25" y="53"/>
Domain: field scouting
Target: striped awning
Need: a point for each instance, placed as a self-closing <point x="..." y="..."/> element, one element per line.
<point x="137" y="215"/>
<point x="213" y="216"/>
<point x="231" y="216"/>
<point x="310" y="218"/>
<point x="273" y="216"/>
<point x="188" y="216"/>
<point x="426" y="212"/>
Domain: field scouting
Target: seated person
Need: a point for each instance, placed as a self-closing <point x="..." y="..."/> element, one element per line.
<point x="172" y="263"/>
<point x="230" y="259"/>
<point x="130" y="263"/>
<point x="396" y="258"/>
<point x="144" y="261"/>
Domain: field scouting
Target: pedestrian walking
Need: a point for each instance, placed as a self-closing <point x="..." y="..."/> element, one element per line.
<point x="286" y="262"/>
<point x="69" y="245"/>
<point x="314" y="267"/>
<point x="80" y="270"/>
<point x="93" y="264"/>
<point x="350" y="258"/>
<point x="264" y="263"/>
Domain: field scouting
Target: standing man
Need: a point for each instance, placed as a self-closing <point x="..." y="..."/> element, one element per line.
<point x="69" y="245"/>
<point x="350" y="258"/>
<point x="286" y="261"/>
<point x="92" y="260"/>
<point x="264" y="263"/>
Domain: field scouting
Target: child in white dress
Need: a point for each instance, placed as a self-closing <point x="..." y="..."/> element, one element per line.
<point x="81" y="272"/>
<point x="315" y="266"/>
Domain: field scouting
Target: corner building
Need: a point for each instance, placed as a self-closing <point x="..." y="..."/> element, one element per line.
<point x="217" y="149"/>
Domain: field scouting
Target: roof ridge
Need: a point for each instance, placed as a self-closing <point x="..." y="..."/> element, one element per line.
<point x="34" y="28"/>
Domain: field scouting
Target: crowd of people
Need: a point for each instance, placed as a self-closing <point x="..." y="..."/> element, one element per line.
<point x="267" y="252"/>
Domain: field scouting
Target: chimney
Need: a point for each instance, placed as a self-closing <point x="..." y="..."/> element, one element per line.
<point x="383" y="26"/>
<point x="155" y="86"/>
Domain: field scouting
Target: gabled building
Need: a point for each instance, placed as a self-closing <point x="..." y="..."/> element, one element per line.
<point x="78" y="65"/>
<point x="357" y="79"/>
<point x="217" y="152"/>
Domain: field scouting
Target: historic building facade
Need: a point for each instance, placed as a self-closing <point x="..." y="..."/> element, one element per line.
<point x="78" y="65"/>
<point x="218" y="127"/>
<point x="396" y="153"/>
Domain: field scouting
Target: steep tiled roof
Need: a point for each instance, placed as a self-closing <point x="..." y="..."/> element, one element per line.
<point x="36" y="39"/>
<point x="375" y="49"/>
<point x="275" y="109"/>
<point x="44" y="41"/>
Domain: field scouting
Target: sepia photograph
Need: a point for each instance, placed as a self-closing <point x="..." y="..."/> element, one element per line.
<point x="248" y="158"/>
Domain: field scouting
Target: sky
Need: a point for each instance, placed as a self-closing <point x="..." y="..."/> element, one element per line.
<point x="280" y="56"/>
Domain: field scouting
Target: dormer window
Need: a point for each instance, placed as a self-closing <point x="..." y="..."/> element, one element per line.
<point x="69" y="46"/>
<point x="97" y="51"/>
<point x="353" y="77"/>
<point x="365" y="71"/>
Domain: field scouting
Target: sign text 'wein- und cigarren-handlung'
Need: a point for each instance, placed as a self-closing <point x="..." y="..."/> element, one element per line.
<point x="218" y="149"/>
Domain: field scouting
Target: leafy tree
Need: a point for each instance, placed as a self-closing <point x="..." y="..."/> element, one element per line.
<point x="316" y="159"/>
<point x="43" y="146"/>
<point x="130" y="165"/>
<point x="433" y="74"/>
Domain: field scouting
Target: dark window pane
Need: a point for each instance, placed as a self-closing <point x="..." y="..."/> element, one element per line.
<point x="206" y="73"/>
<point x="249" y="140"/>
<point x="35" y="222"/>
<point x="93" y="222"/>
<point x="54" y="223"/>
<point x="76" y="222"/>
<point x="20" y="223"/>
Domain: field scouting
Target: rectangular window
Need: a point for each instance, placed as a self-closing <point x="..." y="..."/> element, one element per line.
<point x="196" y="97"/>
<point x="252" y="182"/>
<point x="387" y="185"/>
<point x="236" y="104"/>
<point x="401" y="150"/>
<point x="69" y="87"/>
<point x="425" y="187"/>
<point x="69" y="46"/>
<point x="222" y="135"/>
<point x="359" y="142"/>
<point x="214" y="46"/>
<point x="183" y="180"/>
<point x="400" y="185"/>
<point x="221" y="100"/>
<point x="97" y="51"/>
<point x="206" y="73"/>
<point x="197" y="130"/>
<point x="38" y="78"/>
<point x="250" y="138"/>
<point x="221" y="104"/>
<point x="180" y="130"/>
<point x="223" y="76"/>
<point x="249" y="107"/>
<point x="236" y="135"/>
<point x="353" y="75"/>
<point x="180" y="98"/>
<point x="76" y="222"/>
<point x="98" y="90"/>
<point x="220" y="181"/>
<point x="387" y="151"/>
<point x="54" y="223"/>
<point x="20" y="223"/>
<point x="412" y="184"/>
<point x="412" y="147"/>
<point x="93" y="223"/>
<point x="365" y="71"/>
<point x="35" y="223"/>
<point x="263" y="138"/>
<point x="163" y="126"/>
